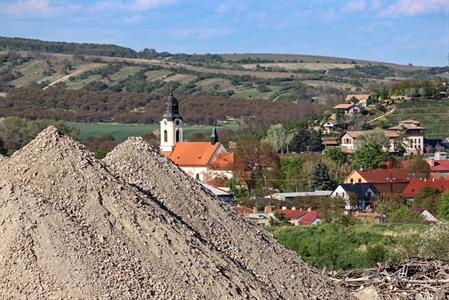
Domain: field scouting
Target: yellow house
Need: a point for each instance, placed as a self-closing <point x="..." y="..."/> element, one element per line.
<point x="355" y="177"/>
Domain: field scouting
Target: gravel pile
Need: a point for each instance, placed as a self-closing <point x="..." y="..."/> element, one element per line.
<point x="246" y="245"/>
<point x="72" y="226"/>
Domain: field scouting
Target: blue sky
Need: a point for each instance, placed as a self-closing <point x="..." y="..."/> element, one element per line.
<point x="401" y="31"/>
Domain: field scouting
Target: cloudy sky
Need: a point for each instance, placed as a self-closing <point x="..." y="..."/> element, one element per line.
<point x="401" y="31"/>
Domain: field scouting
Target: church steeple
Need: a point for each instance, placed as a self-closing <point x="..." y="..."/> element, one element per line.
<point x="172" y="107"/>
<point x="214" y="135"/>
<point x="171" y="124"/>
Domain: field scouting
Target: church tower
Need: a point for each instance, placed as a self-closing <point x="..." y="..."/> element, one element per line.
<point x="171" y="125"/>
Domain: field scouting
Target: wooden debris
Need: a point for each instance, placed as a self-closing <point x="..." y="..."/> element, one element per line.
<point x="414" y="279"/>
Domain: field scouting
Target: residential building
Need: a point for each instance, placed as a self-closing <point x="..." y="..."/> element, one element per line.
<point x="413" y="136"/>
<point x="417" y="185"/>
<point x="346" y="108"/>
<point x="349" y="145"/>
<point x="300" y="216"/>
<point x="362" y="100"/>
<point x="391" y="180"/>
<point x="358" y="196"/>
<point x="439" y="168"/>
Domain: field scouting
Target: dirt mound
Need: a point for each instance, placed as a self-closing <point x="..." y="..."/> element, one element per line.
<point x="246" y="245"/>
<point x="71" y="228"/>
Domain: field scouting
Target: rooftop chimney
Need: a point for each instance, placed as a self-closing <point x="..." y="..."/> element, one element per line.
<point x="293" y="208"/>
<point x="309" y="209"/>
<point x="255" y="210"/>
<point x="284" y="207"/>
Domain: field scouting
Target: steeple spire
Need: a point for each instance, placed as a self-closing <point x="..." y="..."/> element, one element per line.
<point x="214" y="135"/>
<point x="172" y="108"/>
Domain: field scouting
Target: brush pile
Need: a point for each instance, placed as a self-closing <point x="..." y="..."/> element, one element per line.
<point x="414" y="279"/>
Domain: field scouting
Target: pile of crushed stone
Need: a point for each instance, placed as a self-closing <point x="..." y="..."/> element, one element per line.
<point x="73" y="226"/>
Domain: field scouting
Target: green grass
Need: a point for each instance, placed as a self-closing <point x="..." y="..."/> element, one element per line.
<point x="121" y="132"/>
<point x="340" y="247"/>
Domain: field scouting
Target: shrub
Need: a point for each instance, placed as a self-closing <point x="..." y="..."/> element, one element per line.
<point x="435" y="241"/>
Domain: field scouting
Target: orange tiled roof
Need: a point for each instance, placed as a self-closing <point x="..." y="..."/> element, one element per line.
<point x="357" y="97"/>
<point x="380" y="175"/>
<point x="343" y="106"/>
<point x="193" y="153"/>
<point x="224" y="161"/>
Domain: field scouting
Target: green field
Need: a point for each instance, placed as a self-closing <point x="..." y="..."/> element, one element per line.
<point x="342" y="247"/>
<point x="121" y="132"/>
<point x="433" y="114"/>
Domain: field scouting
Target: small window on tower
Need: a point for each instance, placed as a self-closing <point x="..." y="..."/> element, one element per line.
<point x="165" y="136"/>
<point x="177" y="135"/>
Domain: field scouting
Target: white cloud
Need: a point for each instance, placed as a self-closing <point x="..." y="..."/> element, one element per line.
<point x="413" y="7"/>
<point x="130" y="6"/>
<point x="355" y="5"/>
<point x="202" y="33"/>
<point x="38" y="8"/>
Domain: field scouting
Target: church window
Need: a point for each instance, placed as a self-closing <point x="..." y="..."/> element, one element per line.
<point x="177" y="135"/>
<point x="197" y="176"/>
<point x="165" y="136"/>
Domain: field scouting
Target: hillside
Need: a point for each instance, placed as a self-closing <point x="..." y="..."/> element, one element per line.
<point x="433" y="114"/>
<point x="103" y="88"/>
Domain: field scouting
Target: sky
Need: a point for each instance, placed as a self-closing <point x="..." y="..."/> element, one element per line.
<point x="399" y="31"/>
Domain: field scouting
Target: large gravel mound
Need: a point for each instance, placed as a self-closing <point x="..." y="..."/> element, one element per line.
<point x="72" y="228"/>
<point x="248" y="246"/>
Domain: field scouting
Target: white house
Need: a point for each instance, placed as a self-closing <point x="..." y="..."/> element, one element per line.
<point x="360" y="194"/>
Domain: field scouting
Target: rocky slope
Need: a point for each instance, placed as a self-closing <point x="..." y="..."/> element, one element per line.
<point x="73" y="227"/>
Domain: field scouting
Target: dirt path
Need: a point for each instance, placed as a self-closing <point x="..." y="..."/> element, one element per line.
<point x="80" y="70"/>
<point x="384" y="115"/>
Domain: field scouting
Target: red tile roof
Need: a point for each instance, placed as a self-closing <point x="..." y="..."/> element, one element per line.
<point x="224" y="161"/>
<point x="291" y="214"/>
<point x="440" y="165"/>
<point x="385" y="175"/>
<point x="310" y="217"/>
<point x="193" y="153"/>
<point x="243" y="209"/>
<point x="357" y="97"/>
<point x="416" y="185"/>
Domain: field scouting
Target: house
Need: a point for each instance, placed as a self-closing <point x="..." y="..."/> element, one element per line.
<point x="416" y="185"/>
<point x="220" y="194"/>
<point x="243" y="210"/>
<point x="362" y="100"/>
<point x="358" y="196"/>
<point x="389" y="180"/>
<point x="329" y="127"/>
<point x="439" y="167"/>
<point x="295" y="195"/>
<point x="413" y="136"/>
<point x="427" y="216"/>
<point x="346" y="108"/>
<point x="201" y="160"/>
<point x="348" y="140"/>
<point x="300" y="216"/>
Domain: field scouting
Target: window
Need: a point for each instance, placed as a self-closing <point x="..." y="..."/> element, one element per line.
<point x="360" y="180"/>
<point x="352" y="180"/>
<point x="177" y="135"/>
<point x="165" y="136"/>
<point x="197" y="176"/>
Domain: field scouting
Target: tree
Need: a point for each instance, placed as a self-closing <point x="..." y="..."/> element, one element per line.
<point x="368" y="156"/>
<point x="276" y="137"/>
<point x="291" y="168"/>
<point x="418" y="167"/>
<point x="376" y="136"/>
<point x="404" y="215"/>
<point x="320" y="179"/>
<point x="443" y="210"/>
<point x="335" y="155"/>
<point x="429" y="199"/>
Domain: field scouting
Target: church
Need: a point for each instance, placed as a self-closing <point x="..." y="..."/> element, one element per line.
<point x="208" y="162"/>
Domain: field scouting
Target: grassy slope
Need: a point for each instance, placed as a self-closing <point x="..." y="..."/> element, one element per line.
<point x="433" y="114"/>
<point x="334" y="246"/>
